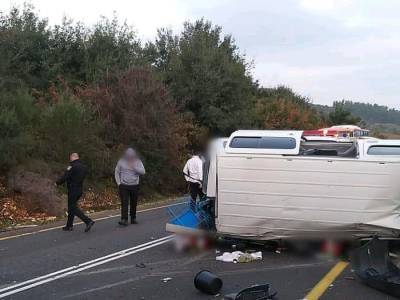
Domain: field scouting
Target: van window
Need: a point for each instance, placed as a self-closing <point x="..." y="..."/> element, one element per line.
<point x="384" y="150"/>
<point x="266" y="142"/>
<point x="245" y="142"/>
<point x="277" y="143"/>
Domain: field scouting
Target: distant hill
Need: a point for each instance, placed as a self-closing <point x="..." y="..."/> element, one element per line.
<point x="376" y="117"/>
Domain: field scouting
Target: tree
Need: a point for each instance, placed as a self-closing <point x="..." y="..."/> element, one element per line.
<point x="281" y="108"/>
<point x="68" y="52"/>
<point x="68" y="125"/>
<point x="341" y="115"/>
<point x="24" y="48"/>
<point x="111" y="46"/>
<point x="206" y="75"/>
<point x="18" y="115"/>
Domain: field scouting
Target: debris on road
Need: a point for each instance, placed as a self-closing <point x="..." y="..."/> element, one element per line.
<point x="372" y="264"/>
<point x="239" y="257"/>
<point x="262" y="291"/>
<point x="207" y="282"/>
<point x="140" y="265"/>
<point x="166" y="279"/>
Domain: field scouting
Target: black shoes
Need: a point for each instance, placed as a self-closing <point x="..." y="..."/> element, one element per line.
<point x="89" y="225"/>
<point x="123" y="222"/>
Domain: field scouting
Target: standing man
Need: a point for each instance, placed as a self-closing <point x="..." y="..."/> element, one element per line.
<point x="74" y="177"/>
<point x="127" y="173"/>
<point x="193" y="172"/>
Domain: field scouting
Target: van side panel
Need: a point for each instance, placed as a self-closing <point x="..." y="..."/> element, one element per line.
<point x="267" y="196"/>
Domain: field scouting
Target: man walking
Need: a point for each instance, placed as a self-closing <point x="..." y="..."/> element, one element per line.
<point x="127" y="173"/>
<point x="74" y="177"/>
<point x="193" y="172"/>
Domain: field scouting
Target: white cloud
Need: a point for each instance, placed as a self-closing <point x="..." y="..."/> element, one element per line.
<point x="324" y="5"/>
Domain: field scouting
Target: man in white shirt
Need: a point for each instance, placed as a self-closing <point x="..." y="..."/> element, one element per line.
<point x="193" y="172"/>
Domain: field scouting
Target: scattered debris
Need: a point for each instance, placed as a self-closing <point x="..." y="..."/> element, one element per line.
<point x="166" y="279"/>
<point x="239" y="257"/>
<point x="141" y="265"/>
<point x="207" y="282"/>
<point x="372" y="264"/>
<point x="262" y="291"/>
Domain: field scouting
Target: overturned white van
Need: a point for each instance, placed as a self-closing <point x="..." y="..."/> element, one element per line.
<point x="277" y="184"/>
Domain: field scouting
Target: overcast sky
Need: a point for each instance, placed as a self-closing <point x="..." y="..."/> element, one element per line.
<point x="324" y="49"/>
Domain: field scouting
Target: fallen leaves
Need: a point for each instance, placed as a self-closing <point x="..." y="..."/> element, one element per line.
<point x="12" y="213"/>
<point x="95" y="201"/>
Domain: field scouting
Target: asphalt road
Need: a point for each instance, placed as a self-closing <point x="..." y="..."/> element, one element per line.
<point x="53" y="264"/>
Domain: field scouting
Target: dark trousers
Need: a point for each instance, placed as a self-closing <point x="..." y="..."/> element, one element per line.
<point x="129" y="197"/>
<point x="73" y="209"/>
<point x="195" y="190"/>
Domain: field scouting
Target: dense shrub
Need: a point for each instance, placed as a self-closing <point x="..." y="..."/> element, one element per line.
<point x="281" y="108"/>
<point x="136" y="110"/>
<point x="18" y="115"/>
<point x="68" y="125"/>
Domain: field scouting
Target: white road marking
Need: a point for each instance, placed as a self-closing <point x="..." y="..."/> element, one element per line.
<point x="16" y="288"/>
<point x="79" y="223"/>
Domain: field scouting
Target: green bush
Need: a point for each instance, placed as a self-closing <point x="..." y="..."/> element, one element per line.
<point x="69" y="126"/>
<point x="17" y="118"/>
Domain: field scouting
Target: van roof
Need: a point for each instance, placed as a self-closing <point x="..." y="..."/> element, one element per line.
<point x="289" y="147"/>
<point x="266" y="133"/>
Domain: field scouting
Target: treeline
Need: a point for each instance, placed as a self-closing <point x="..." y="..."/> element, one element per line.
<point x="383" y="121"/>
<point x="373" y="113"/>
<point x="98" y="89"/>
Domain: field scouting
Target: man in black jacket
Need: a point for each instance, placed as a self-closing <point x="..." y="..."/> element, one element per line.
<point x="74" y="177"/>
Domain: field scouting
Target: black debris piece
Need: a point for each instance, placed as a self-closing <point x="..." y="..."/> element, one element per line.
<point x="256" y="292"/>
<point x="207" y="282"/>
<point x="372" y="264"/>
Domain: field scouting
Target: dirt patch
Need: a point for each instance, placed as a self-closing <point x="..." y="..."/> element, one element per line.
<point x="36" y="193"/>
